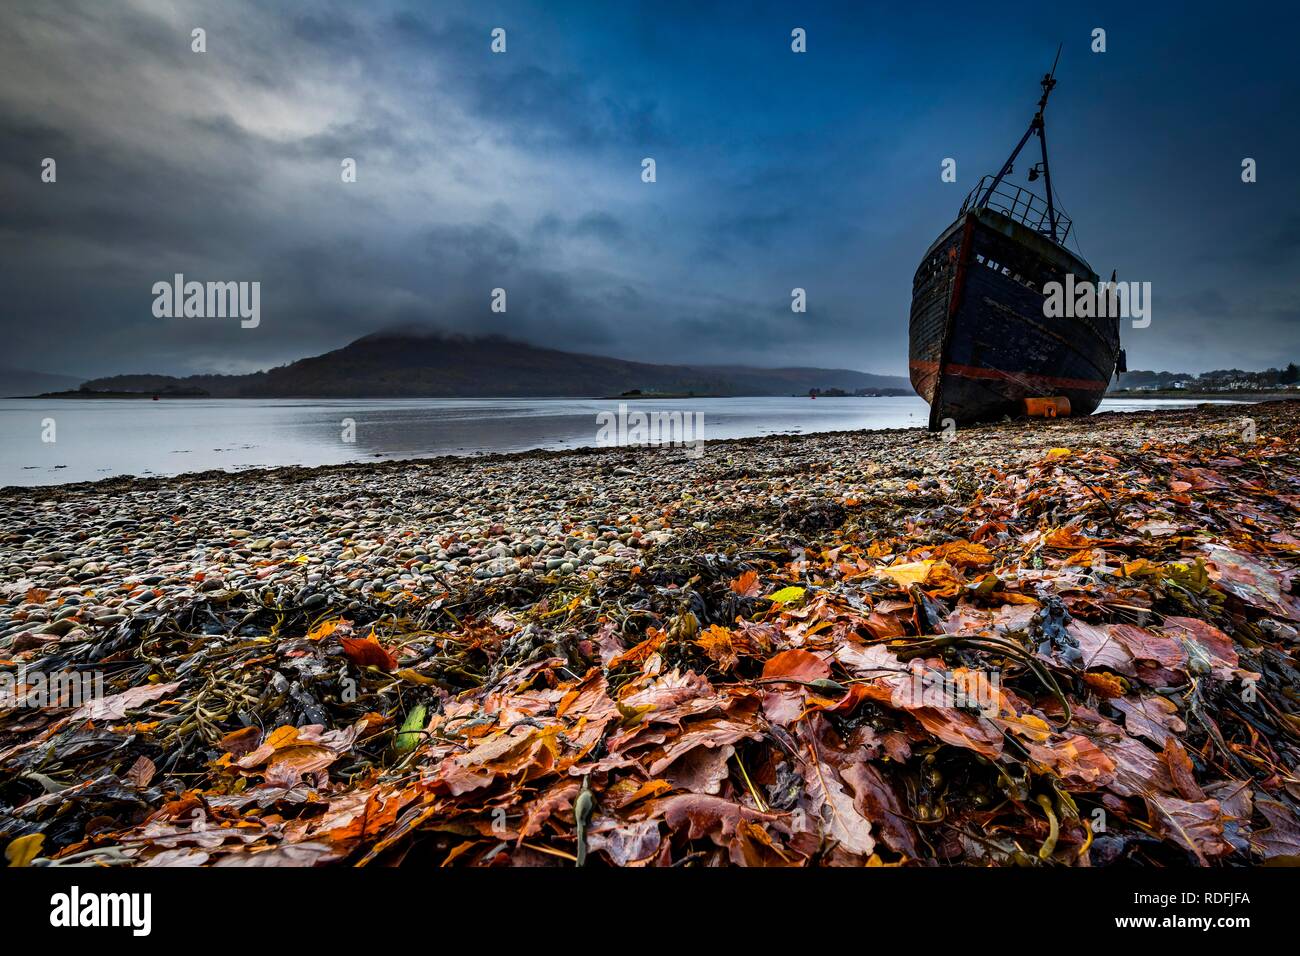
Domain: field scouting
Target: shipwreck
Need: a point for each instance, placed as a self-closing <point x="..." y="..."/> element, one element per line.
<point x="982" y="345"/>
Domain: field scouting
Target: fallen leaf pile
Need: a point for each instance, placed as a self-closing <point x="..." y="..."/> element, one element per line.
<point x="1083" y="660"/>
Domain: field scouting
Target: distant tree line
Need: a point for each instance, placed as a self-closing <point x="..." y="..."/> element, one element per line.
<point x="1217" y="380"/>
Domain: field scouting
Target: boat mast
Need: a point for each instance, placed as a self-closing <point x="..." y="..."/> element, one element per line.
<point x="1036" y="125"/>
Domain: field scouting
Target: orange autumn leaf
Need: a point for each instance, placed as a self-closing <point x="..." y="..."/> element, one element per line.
<point x="237" y="743"/>
<point x="368" y="652"/>
<point x="944" y="580"/>
<point x="716" y="644"/>
<point x="746" y="585"/>
<point x="324" y="629"/>
<point x="459" y="851"/>
<point x="795" y="665"/>
<point x="641" y="652"/>
<point x="1181" y="771"/>
<point x="912" y="572"/>
<point x="1084" y="559"/>
<point x="964" y="554"/>
<point x="1067" y="539"/>
<point x="1106" y="685"/>
<point x="1141" y="568"/>
<point x="633" y="792"/>
<point x="879" y="549"/>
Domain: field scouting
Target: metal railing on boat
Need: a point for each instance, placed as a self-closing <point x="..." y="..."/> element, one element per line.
<point x="1019" y="204"/>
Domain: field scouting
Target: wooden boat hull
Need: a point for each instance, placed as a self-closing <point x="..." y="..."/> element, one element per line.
<point x="980" y="343"/>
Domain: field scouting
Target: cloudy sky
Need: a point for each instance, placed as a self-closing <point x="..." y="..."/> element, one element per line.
<point x="522" y="170"/>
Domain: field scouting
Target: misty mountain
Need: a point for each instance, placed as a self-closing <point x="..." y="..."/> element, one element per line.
<point x="16" y="381"/>
<point x="410" y="365"/>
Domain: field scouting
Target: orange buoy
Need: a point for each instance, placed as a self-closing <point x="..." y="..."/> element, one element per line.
<point x="1054" y="406"/>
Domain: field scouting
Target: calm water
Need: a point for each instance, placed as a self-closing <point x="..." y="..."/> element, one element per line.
<point x="102" y="438"/>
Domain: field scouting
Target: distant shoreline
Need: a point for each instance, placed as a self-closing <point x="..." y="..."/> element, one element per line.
<point x="101" y="395"/>
<point x="667" y="396"/>
<point x="1241" y="394"/>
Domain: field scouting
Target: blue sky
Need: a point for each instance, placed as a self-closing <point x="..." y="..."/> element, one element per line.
<point x="522" y="170"/>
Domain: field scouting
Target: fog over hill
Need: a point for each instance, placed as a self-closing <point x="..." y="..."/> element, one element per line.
<point x="411" y="364"/>
<point x="19" y="381"/>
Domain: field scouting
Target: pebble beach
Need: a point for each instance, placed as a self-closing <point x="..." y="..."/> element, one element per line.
<point x="478" y="556"/>
<point x="102" y="551"/>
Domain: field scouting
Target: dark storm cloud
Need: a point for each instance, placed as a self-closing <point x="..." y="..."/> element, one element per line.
<point x="523" y="171"/>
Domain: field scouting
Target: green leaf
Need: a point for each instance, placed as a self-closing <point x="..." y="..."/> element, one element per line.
<point x="409" y="735"/>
